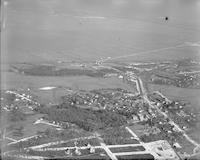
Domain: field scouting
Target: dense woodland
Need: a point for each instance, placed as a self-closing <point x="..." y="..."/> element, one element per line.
<point x="86" y="119"/>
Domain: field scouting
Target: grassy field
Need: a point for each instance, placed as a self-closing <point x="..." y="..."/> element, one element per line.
<point x="16" y="81"/>
<point x="78" y="82"/>
<point x="89" y="157"/>
<point x="138" y="129"/>
<point x="29" y="129"/>
<point x="127" y="149"/>
<point x="137" y="157"/>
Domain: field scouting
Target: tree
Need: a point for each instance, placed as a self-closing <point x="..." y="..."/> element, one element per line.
<point x="10" y="97"/>
<point x="16" y="115"/>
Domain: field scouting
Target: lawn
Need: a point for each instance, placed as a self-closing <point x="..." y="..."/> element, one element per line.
<point x="136" y="157"/>
<point x="127" y="149"/>
<point x="117" y="135"/>
<point x="137" y="129"/>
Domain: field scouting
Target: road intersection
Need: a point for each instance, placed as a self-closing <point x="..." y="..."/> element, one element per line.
<point x="143" y="92"/>
<point x="107" y="148"/>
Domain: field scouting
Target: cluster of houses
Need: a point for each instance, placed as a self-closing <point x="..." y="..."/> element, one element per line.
<point x="183" y="80"/>
<point x="58" y="125"/>
<point x="76" y="151"/>
<point x="12" y="100"/>
<point x="102" y="98"/>
<point x="175" y="110"/>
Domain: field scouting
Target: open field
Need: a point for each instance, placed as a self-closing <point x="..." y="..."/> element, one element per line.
<point x="127" y="149"/>
<point x="138" y="129"/>
<point x="17" y="81"/>
<point x="137" y="157"/>
<point x="89" y="157"/>
<point x="29" y="129"/>
<point x="78" y="82"/>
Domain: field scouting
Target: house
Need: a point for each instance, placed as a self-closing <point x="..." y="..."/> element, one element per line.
<point x="177" y="145"/>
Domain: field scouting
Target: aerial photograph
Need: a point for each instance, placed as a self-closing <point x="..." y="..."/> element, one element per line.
<point x="100" y="79"/>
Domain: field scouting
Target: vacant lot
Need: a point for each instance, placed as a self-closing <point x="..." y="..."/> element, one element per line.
<point x="127" y="149"/>
<point x="27" y="127"/>
<point x="137" y="157"/>
<point x="14" y="80"/>
<point x="117" y="135"/>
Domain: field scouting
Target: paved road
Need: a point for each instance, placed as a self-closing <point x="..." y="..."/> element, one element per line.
<point x="47" y="123"/>
<point x="14" y="140"/>
<point x="108" y="151"/>
<point x="64" y="148"/>
<point x="132" y="133"/>
<point x="143" y="52"/>
<point x="59" y="142"/>
<point x="166" y="99"/>
<point x="113" y="156"/>
<point x="23" y="139"/>
<point x="21" y="156"/>
<point x="105" y="147"/>
<point x="143" y="92"/>
<point x="147" y="149"/>
<point x="23" y="97"/>
<point x="131" y="153"/>
<point x="189" y="72"/>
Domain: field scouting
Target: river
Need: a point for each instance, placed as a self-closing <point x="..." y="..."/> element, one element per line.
<point x="49" y="30"/>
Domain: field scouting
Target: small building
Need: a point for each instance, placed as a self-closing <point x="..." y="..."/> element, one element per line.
<point x="68" y="152"/>
<point x="177" y="145"/>
<point x="77" y="151"/>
